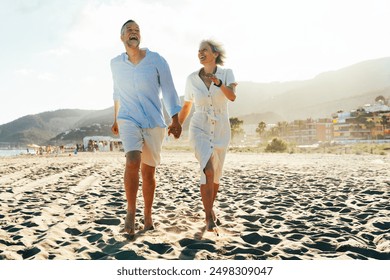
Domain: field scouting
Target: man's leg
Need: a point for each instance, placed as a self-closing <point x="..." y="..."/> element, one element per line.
<point x="131" y="180"/>
<point x="151" y="150"/>
<point x="148" y="189"/>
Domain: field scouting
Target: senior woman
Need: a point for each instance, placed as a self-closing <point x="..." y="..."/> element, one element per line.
<point x="209" y="89"/>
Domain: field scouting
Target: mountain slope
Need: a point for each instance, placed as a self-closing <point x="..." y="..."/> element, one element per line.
<point x="320" y="97"/>
<point x="40" y="127"/>
<point x="295" y="100"/>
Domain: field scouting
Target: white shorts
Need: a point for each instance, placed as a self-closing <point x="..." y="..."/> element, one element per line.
<point x="146" y="140"/>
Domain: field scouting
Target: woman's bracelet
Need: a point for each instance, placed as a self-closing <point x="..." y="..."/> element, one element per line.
<point x="220" y="83"/>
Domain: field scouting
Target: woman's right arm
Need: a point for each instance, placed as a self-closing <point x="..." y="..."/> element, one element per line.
<point x="185" y="111"/>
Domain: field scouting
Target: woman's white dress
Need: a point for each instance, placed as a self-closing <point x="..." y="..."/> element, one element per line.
<point x="209" y="130"/>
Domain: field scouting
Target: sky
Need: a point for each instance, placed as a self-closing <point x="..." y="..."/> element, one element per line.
<point x="55" y="54"/>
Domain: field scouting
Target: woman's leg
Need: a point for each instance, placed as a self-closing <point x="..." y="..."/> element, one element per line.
<point x="216" y="188"/>
<point x="207" y="194"/>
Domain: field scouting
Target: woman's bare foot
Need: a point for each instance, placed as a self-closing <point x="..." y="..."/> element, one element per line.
<point x="215" y="219"/>
<point x="210" y="225"/>
<point x="213" y="215"/>
<point x="130" y="224"/>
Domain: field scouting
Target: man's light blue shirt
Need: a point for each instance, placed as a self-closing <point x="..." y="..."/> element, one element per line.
<point x="138" y="87"/>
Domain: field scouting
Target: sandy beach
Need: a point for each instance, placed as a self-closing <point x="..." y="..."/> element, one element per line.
<point x="270" y="206"/>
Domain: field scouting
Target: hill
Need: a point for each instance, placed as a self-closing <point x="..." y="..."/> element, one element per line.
<point x="344" y="89"/>
<point x="41" y="127"/>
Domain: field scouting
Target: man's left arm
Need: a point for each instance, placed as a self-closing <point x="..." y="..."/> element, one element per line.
<point x="175" y="127"/>
<point x="170" y="97"/>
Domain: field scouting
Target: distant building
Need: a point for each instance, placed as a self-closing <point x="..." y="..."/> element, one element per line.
<point x="378" y="107"/>
<point x="371" y="122"/>
<point x="324" y="129"/>
<point x="368" y="123"/>
<point x="341" y="128"/>
<point x="302" y="132"/>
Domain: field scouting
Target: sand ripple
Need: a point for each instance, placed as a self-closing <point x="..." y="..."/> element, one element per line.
<point x="283" y="206"/>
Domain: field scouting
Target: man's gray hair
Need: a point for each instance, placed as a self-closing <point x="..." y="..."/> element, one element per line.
<point x="124" y="25"/>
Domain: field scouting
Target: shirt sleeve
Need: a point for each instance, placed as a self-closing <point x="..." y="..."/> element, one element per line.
<point x="229" y="77"/>
<point x="169" y="94"/>
<point x="188" y="94"/>
<point x="115" y="94"/>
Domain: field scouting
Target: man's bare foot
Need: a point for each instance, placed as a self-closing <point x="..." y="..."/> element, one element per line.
<point x="148" y="224"/>
<point x="149" y="227"/>
<point x="130" y="224"/>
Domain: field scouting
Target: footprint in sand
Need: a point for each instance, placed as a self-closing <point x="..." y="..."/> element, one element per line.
<point x="160" y="248"/>
<point x="128" y="255"/>
<point x="28" y="253"/>
<point x="108" y="221"/>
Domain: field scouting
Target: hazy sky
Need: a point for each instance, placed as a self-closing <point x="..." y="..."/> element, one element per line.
<point x="55" y="54"/>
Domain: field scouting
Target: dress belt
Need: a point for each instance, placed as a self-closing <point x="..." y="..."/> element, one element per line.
<point x="210" y="112"/>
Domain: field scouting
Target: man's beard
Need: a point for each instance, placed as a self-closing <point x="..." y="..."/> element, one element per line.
<point x="132" y="43"/>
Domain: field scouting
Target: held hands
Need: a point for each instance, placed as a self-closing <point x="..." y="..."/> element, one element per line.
<point x="175" y="129"/>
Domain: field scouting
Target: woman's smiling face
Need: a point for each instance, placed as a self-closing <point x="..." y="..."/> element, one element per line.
<point x="205" y="53"/>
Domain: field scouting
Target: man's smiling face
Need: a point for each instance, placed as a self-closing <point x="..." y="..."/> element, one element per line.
<point x="131" y="35"/>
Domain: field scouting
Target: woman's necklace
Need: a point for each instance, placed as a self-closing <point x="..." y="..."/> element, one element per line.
<point x="205" y="75"/>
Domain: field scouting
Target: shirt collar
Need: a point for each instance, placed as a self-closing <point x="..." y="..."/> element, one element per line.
<point x="125" y="57"/>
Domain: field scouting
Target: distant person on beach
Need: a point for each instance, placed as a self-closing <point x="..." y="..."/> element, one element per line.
<point x="209" y="88"/>
<point x="138" y="76"/>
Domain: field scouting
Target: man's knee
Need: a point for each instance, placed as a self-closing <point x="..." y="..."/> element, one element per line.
<point x="133" y="160"/>
<point x="148" y="171"/>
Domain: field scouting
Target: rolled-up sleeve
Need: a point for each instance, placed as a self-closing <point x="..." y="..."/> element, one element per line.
<point x="115" y="94"/>
<point x="169" y="94"/>
<point x="230" y="77"/>
<point x="188" y="93"/>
